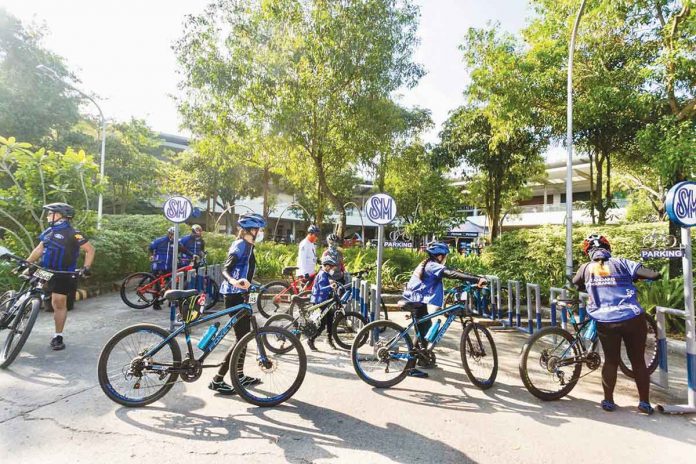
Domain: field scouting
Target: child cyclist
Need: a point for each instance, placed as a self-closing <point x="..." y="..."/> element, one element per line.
<point x="425" y="288"/>
<point x="324" y="284"/>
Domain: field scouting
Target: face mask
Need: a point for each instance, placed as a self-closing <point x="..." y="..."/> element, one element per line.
<point x="332" y="272"/>
<point x="312" y="238"/>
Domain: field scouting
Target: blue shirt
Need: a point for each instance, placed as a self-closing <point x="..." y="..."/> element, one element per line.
<point x="613" y="297"/>
<point x="237" y="265"/>
<point x="194" y="244"/>
<point x="163" y="249"/>
<point x="428" y="290"/>
<point x="61" y="245"/>
<point x="321" y="290"/>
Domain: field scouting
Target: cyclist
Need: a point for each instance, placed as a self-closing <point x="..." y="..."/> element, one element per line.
<point x="321" y="291"/>
<point x="238" y="271"/>
<point x="307" y="252"/>
<point x="426" y="290"/>
<point x="192" y="244"/>
<point x="161" y="251"/>
<point x="613" y="304"/>
<point x="58" y="249"/>
<point x="336" y="254"/>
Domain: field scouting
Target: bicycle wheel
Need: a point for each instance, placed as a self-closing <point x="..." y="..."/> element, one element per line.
<point x="274" y="297"/>
<point x="19" y="330"/>
<point x="385" y="313"/>
<point x="280" y="375"/>
<point x="133" y="294"/>
<point x="279" y="344"/>
<point x="546" y="365"/>
<point x="127" y="378"/>
<point x="384" y="360"/>
<point x="346" y="326"/>
<point x="652" y="354"/>
<point x="212" y="292"/>
<point x="6" y="301"/>
<point x="479" y="355"/>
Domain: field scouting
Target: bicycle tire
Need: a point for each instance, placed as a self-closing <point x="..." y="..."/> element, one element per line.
<point x="472" y="349"/>
<point x="106" y="383"/>
<point x="284" y="321"/>
<point x="29" y="311"/>
<point x="349" y="320"/>
<point x="524" y="367"/>
<point x="242" y="349"/>
<point x="134" y="300"/>
<point x="212" y="294"/>
<point x="6" y="301"/>
<point x="266" y="305"/>
<point x="652" y="359"/>
<point x="380" y="328"/>
<point x="384" y="308"/>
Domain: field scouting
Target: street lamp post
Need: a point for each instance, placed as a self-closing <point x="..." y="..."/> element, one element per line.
<point x="569" y="143"/>
<point x="54" y="75"/>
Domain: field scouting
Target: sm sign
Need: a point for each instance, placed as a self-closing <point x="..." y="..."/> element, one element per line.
<point x="681" y="204"/>
<point x="178" y="209"/>
<point x="381" y="208"/>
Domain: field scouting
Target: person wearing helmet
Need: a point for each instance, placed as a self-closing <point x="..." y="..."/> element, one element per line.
<point x="333" y="241"/>
<point x="161" y="255"/>
<point x="613" y="304"/>
<point x="238" y="272"/>
<point x="58" y="249"/>
<point x="321" y="291"/>
<point x="192" y="245"/>
<point x="426" y="290"/>
<point x="307" y="252"/>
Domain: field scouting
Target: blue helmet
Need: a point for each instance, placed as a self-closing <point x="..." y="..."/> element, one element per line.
<point x="328" y="260"/>
<point x="251" y="221"/>
<point x="313" y="230"/>
<point x="437" y="248"/>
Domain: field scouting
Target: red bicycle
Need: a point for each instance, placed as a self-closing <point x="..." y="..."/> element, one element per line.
<point x="143" y="289"/>
<point x="276" y="296"/>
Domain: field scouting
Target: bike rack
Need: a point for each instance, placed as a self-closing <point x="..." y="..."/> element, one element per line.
<point x="495" y="304"/>
<point x="564" y="312"/>
<point x="514" y="292"/>
<point x="364" y="298"/>
<point x="374" y="304"/>
<point x="353" y="303"/>
<point x="582" y="309"/>
<point x="663" y="378"/>
<point x="537" y="307"/>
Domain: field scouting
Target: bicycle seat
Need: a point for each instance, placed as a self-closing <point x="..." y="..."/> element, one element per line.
<point x="179" y="294"/>
<point x="288" y="270"/>
<point x="405" y="305"/>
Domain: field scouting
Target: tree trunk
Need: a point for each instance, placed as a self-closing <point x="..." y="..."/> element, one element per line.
<point x="335" y="201"/>
<point x="266" y="180"/>
<point x="592" y="191"/>
<point x="599" y="204"/>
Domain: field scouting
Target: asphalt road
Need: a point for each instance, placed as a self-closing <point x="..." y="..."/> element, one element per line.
<point x="52" y="410"/>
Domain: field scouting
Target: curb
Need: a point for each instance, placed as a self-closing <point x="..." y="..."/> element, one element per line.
<point x="91" y="292"/>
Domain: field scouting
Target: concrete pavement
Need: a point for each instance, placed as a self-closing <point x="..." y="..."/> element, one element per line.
<point x="52" y="410"/>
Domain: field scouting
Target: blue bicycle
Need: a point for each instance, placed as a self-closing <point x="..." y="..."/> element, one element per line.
<point x="141" y="363"/>
<point x="383" y="352"/>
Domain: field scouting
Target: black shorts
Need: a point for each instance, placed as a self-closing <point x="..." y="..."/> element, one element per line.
<point x="63" y="284"/>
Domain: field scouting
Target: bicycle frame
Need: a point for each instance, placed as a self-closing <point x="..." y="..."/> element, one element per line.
<point x="160" y="280"/>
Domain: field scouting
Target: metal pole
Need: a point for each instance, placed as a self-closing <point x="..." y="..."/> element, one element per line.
<point x="380" y="257"/>
<point x="569" y="143"/>
<point x="175" y="262"/>
<point x="101" y="169"/>
<point x="687" y="266"/>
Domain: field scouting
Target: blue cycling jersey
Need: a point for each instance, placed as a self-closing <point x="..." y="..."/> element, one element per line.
<point x="239" y="257"/>
<point x="321" y="288"/>
<point x="61" y="245"/>
<point x="613" y="297"/>
<point x="194" y="244"/>
<point x="163" y="248"/>
<point x="428" y="290"/>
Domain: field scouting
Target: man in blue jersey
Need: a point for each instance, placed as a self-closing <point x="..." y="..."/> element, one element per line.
<point x="58" y="250"/>
<point x="192" y="245"/>
<point x="161" y="254"/>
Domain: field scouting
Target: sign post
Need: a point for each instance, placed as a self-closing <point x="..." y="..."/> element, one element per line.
<point x="177" y="210"/>
<point x="381" y="209"/>
<point x="681" y="208"/>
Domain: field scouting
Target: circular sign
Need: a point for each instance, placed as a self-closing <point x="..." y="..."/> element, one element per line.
<point x="681" y="204"/>
<point x="380" y="208"/>
<point x="178" y="209"/>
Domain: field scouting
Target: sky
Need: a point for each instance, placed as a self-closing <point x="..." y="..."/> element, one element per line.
<point x="121" y="51"/>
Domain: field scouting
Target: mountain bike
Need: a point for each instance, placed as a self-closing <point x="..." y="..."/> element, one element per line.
<point x="276" y="297"/>
<point x="141" y="363"/>
<point x="142" y="289"/>
<point x="20" y="309"/>
<point x="383" y="352"/>
<point x="552" y="359"/>
<point x="305" y="319"/>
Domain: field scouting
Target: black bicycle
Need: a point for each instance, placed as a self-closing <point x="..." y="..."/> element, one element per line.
<point x="19" y="309"/>
<point x="141" y="363"/>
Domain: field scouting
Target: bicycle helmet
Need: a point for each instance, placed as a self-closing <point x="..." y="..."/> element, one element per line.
<point x="170" y="230"/>
<point x="328" y="260"/>
<point x="437" y="248"/>
<point x="333" y="239"/>
<point x="196" y="229"/>
<point x="251" y="221"/>
<point x="63" y="209"/>
<point x="313" y="229"/>
<point x="595" y="241"/>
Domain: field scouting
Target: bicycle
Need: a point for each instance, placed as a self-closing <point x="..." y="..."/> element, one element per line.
<point x="147" y="358"/>
<point x="552" y="359"/>
<point x="304" y="319"/>
<point x="383" y="353"/>
<point x="658" y="240"/>
<point x="20" y="309"/>
<point x="276" y="296"/>
<point x="142" y="289"/>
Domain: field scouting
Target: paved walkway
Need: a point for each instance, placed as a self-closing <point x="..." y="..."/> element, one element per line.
<point x="52" y="410"/>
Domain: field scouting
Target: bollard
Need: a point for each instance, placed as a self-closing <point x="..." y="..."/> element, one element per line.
<point x="537" y="298"/>
<point x="355" y="293"/>
<point x="516" y="292"/>
<point x="663" y="377"/>
<point x="552" y="299"/>
<point x="364" y="297"/>
<point x="494" y="286"/>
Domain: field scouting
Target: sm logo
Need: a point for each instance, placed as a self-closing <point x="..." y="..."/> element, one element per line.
<point x="177" y="209"/>
<point x="681" y="204"/>
<point x="381" y="208"/>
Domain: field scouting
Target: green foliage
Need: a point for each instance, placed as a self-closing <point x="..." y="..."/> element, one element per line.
<point x="666" y="292"/>
<point x="640" y="209"/>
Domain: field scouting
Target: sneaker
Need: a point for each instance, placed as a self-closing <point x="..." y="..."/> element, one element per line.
<point x="425" y="363"/>
<point x="645" y="408"/>
<point x="156" y="307"/>
<point x="608" y="406"/>
<point x="311" y="345"/>
<point x="418" y="374"/>
<point x="248" y="381"/>
<point x="57" y="343"/>
<point x="221" y="387"/>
